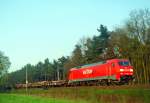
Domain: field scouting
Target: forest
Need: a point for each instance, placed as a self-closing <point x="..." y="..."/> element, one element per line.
<point x="130" y="40"/>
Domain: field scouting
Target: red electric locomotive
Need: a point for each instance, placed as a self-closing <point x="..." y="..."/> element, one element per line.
<point x="114" y="70"/>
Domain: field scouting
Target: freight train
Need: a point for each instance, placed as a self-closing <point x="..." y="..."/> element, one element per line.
<point x="113" y="71"/>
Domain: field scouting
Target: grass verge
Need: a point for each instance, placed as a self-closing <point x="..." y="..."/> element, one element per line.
<point x="117" y="94"/>
<point x="15" y="98"/>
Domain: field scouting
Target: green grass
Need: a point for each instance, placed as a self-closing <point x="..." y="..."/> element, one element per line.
<point x="117" y="94"/>
<point x="15" y="98"/>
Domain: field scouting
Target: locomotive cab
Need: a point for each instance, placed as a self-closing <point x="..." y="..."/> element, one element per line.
<point x="125" y="71"/>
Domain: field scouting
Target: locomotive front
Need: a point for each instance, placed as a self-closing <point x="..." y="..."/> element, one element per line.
<point x="125" y="71"/>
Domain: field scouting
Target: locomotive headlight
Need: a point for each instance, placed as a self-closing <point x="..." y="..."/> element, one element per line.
<point x="121" y="70"/>
<point x="131" y="70"/>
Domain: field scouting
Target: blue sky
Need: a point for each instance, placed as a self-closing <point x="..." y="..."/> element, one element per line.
<point x="32" y="30"/>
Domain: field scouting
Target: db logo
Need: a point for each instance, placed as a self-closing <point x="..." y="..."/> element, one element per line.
<point x="87" y="71"/>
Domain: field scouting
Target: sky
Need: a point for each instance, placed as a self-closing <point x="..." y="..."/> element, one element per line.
<point x="33" y="30"/>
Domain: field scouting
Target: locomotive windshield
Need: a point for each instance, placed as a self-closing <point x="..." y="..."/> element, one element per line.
<point x="124" y="63"/>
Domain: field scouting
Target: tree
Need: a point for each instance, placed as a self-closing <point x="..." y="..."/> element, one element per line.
<point x="138" y="29"/>
<point x="4" y="64"/>
<point x="76" y="59"/>
<point x="97" y="45"/>
<point x="39" y="73"/>
<point x="138" y="25"/>
<point x="133" y="39"/>
<point x="55" y="70"/>
<point x="47" y="69"/>
<point x="62" y="70"/>
<point x="104" y="36"/>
